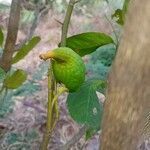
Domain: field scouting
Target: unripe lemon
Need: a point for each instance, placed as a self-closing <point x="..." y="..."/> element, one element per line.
<point x="68" y="67"/>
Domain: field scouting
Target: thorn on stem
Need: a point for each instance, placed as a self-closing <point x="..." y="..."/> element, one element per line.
<point x="58" y="21"/>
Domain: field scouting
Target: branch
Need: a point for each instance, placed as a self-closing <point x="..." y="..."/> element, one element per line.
<point x="33" y="7"/>
<point x="37" y="14"/>
<point x="49" y="123"/>
<point x="67" y="21"/>
<point x="111" y="25"/>
<point x="65" y="26"/>
<point x="28" y="5"/>
<point x="114" y="31"/>
<point x="75" y="139"/>
<point x="13" y="25"/>
<point x="31" y="31"/>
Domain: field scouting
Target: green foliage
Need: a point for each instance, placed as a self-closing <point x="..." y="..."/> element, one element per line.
<point x="119" y="15"/>
<point x="28" y="88"/>
<point x="89" y="133"/>
<point x="6" y="106"/>
<point x="100" y="62"/>
<point x="20" y="141"/>
<point x="84" y="106"/>
<point x="6" y="103"/>
<point x="1" y="37"/>
<point x="87" y="43"/>
<point x="25" y="49"/>
<point x="105" y="54"/>
<point x="15" y="80"/>
<point x="12" y="138"/>
<point x="2" y="74"/>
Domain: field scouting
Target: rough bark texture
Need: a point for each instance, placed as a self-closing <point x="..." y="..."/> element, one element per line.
<point x="128" y="97"/>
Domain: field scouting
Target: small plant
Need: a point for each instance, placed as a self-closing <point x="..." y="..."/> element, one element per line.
<point x="11" y="53"/>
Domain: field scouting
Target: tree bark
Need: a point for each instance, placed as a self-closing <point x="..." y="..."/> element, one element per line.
<point x="126" y="117"/>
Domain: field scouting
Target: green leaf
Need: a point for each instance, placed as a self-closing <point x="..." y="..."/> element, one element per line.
<point x="1" y="37"/>
<point x="2" y="74"/>
<point x="88" y="42"/>
<point x="119" y="15"/>
<point x="25" y="49"/>
<point x="16" y="79"/>
<point x="84" y="105"/>
<point x="89" y="133"/>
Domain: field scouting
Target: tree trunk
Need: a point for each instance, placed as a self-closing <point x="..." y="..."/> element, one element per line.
<point x="13" y="25"/>
<point x="127" y="103"/>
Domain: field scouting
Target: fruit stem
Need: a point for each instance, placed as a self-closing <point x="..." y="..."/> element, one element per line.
<point x="47" y="55"/>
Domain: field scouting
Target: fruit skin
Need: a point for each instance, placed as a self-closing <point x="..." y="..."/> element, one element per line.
<point x="68" y="67"/>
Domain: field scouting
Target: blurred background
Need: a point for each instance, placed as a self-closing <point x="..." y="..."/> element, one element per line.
<point x="23" y="113"/>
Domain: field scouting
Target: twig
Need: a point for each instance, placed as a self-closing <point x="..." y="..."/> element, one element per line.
<point x="38" y="12"/>
<point x="60" y="91"/>
<point x="63" y="43"/>
<point x="31" y="32"/>
<point x="58" y="21"/>
<point x="66" y="22"/>
<point x="75" y="139"/>
<point x="116" y="36"/>
<point x="32" y="7"/>
<point x="112" y="26"/>
<point x="13" y="25"/>
<point x="2" y="88"/>
<point x="3" y="94"/>
<point x="46" y="2"/>
<point x="55" y="105"/>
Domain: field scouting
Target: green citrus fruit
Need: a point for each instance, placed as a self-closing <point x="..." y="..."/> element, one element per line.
<point x="68" y="67"/>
